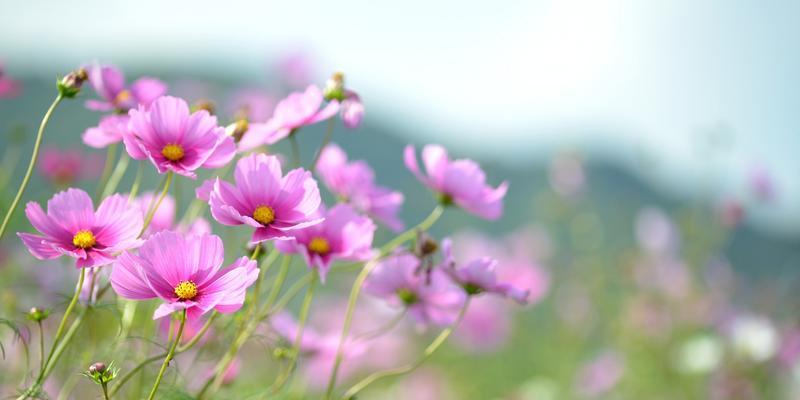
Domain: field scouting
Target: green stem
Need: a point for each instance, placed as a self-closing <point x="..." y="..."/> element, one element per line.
<point x="119" y="171"/>
<point x="325" y="141"/>
<point x="382" y="330"/>
<point x="169" y="356"/>
<point x="154" y="208"/>
<point x="107" y="168"/>
<point x="295" y="150"/>
<point x="51" y="364"/>
<point x="64" y="319"/>
<point x="105" y="391"/>
<point x="31" y="164"/>
<point x="437" y="342"/>
<point x="41" y="346"/>
<point x="136" y="182"/>
<point x="359" y="282"/>
<point x="301" y="324"/>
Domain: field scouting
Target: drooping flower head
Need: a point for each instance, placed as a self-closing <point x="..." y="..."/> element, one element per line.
<point x="354" y="183"/>
<point x="73" y="228"/>
<point x="429" y="298"/>
<point x="343" y="235"/>
<point x="265" y="199"/>
<point x="461" y="182"/>
<point x="479" y="276"/>
<point x="174" y="139"/>
<point x="297" y="110"/>
<point x="184" y="271"/>
<point x="109" y="83"/>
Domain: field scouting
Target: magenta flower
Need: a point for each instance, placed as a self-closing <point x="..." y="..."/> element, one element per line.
<point x="9" y="88"/>
<point x="184" y="272"/>
<point x="71" y="227"/>
<point x="479" y="276"/>
<point x="352" y="110"/>
<point x="174" y="139"/>
<point x="110" y="130"/>
<point x="343" y="235"/>
<point x="429" y="299"/>
<point x="264" y="199"/>
<point x="457" y="181"/>
<point x="354" y="182"/>
<point x="297" y="110"/>
<point x="109" y="83"/>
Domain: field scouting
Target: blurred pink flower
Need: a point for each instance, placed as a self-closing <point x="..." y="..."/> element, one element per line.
<point x="266" y="200"/>
<point x="789" y="350"/>
<point x="478" y="276"/>
<point x="251" y="103"/>
<point x="342" y="236"/>
<point x="109" y="84"/>
<point x="354" y="182"/>
<point x="185" y="273"/>
<point x="762" y="185"/>
<point x="486" y="326"/>
<point x="174" y="139"/>
<point x="352" y="110"/>
<point x="730" y="213"/>
<point x="655" y="232"/>
<point x="9" y="88"/>
<point x="457" y="181"/>
<point x="111" y="129"/>
<point x="600" y="375"/>
<point x="424" y="384"/>
<point x="294" y="69"/>
<point x="567" y="175"/>
<point x="163" y="216"/>
<point x="72" y="227"/>
<point x="65" y="166"/>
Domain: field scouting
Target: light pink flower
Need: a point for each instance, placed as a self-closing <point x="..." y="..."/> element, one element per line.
<point x="71" y="227"/>
<point x="342" y="236"/>
<point x="294" y="69"/>
<point x="109" y="83"/>
<point x="762" y="184"/>
<point x="164" y="215"/>
<point x="111" y="130"/>
<point x="352" y="110"/>
<point x="297" y="110"/>
<point x="9" y="88"/>
<point x="65" y="166"/>
<point x="457" y="181"/>
<point x="429" y="298"/>
<point x="174" y="139"/>
<point x="264" y="199"/>
<point x="185" y="273"/>
<point x="479" y="276"/>
<point x="354" y="182"/>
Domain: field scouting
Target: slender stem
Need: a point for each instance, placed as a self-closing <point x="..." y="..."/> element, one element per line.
<point x="31" y="165"/>
<point x="152" y="211"/>
<point x="168" y="357"/>
<point x="136" y="182"/>
<point x="325" y="141"/>
<point x="116" y="176"/>
<point x="64" y="319"/>
<point x="382" y="330"/>
<point x="51" y="364"/>
<point x="301" y="324"/>
<point x="279" y="280"/>
<point x="41" y="346"/>
<point x="437" y="342"/>
<point x="105" y="391"/>
<point x="107" y="168"/>
<point x="359" y="282"/>
<point x="295" y="150"/>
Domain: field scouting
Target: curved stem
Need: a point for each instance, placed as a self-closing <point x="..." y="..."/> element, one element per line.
<point x="382" y="330"/>
<point x="359" y="282"/>
<point x="31" y="165"/>
<point x="154" y="208"/>
<point x="168" y="357"/>
<point x="63" y="322"/>
<point x="301" y="324"/>
<point x="51" y="364"/>
<point x="325" y="141"/>
<point x="116" y="176"/>
<point x="295" y="150"/>
<point x="136" y="182"/>
<point x="437" y="342"/>
<point x="107" y="168"/>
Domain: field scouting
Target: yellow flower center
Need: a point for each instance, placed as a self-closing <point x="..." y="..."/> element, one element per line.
<point x="122" y="96"/>
<point x="84" y="239"/>
<point x="264" y="214"/>
<point x="319" y="245"/>
<point x="172" y="152"/>
<point x="186" y="290"/>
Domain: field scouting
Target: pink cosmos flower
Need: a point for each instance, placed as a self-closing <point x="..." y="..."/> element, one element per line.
<point x="352" y="110"/>
<point x="354" y="182"/>
<point x="110" y="130"/>
<point x="479" y="276"/>
<point x="184" y="272"/>
<point x="429" y="299"/>
<point x="109" y="83"/>
<point x="65" y="166"/>
<point x="266" y="200"/>
<point x="174" y="139"/>
<point x="457" y="181"/>
<point x="71" y="227"/>
<point x="343" y="235"/>
<point x="297" y="110"/>
<point x="9" y="88"/>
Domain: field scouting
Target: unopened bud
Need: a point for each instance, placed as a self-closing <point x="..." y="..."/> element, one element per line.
<point x="205" y="104"/>
<point x="334" y="87"/>
<point x="38" y="314"/>
<point x="97" y="367"/>
<point x="101" y="373"/>
<point x="70" y="85"/>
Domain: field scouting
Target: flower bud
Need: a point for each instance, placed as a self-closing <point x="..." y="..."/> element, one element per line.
<point x="38" y="314"/>
<point x="70" y="85"/>
<point x="97" y="367"/>
<point x="334" y="87"/>
<point x="101" y="373"/>
<point x="204" y="104"/>
<point x="237" y="129"/>
<point x="425" y="245"/>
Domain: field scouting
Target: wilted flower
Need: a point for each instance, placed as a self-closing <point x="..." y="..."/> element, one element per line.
<point x="175" y="140"/>
<point x="266" y="200"/>
<point x="343" y="235"/>
<point x="429" y="298"/>
<point x="71" y="227"/>
<point x="457" y="181"/>
<point x="184" y="272"/>
<point x="109" y="84"/>
<point x="354" y="183"/>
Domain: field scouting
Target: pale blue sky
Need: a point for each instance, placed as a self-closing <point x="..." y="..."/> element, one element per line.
<point x="511" y="78"/>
